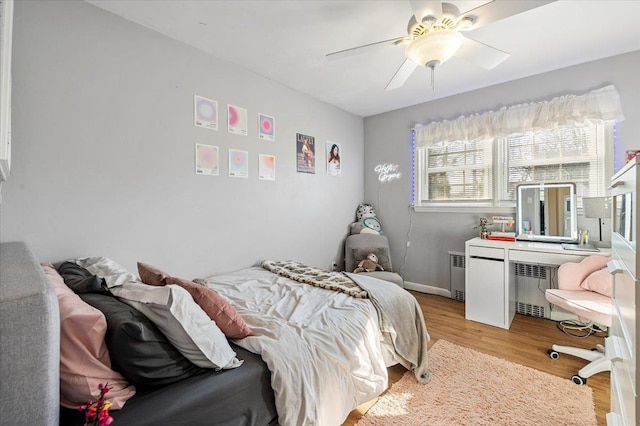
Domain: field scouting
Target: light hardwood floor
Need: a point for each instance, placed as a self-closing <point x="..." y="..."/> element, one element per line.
<point x="526" y="343"/>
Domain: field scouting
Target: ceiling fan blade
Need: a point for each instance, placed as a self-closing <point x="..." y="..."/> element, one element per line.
<point x="360" y="49"/>
<point x="500" y="9"/>
<point x="480" y="54"/>
<point x="401" y="76"/>
<point x="422" y="8"/>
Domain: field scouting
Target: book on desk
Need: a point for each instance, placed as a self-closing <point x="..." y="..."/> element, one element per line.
<point x="502" y="236"/>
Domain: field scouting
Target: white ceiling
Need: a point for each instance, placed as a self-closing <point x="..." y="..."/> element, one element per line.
<point x="286" y="41"/>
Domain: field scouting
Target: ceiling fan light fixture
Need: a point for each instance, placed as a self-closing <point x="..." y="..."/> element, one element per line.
<point x="450" y="14"/>
<point x="465" y="23"/>
<point x="429" y="20"/>
<point x="434" y="47"/>
<point x="432" y="64"/>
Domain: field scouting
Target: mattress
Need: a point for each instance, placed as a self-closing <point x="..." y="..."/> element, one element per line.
<point x="240" y="396"/>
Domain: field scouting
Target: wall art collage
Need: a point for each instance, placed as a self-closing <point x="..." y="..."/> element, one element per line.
<point x="207" y="157"/>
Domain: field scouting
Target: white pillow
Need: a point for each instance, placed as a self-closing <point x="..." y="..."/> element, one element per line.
<point x="172" y="309"/>
<point x="113" y="274"/>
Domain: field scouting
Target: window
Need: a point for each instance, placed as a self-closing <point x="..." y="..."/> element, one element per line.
<point x="457" y="171"/>
<point x="486" y="172"/>
<point x="478" y="160"/>
<point x="567" y="155"/>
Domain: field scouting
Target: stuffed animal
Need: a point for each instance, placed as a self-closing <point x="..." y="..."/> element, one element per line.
<point x="367" y="222"/>
<point x="368" y="225"/>
<point x="369" y="264"/>
<point x="365" y="210"/>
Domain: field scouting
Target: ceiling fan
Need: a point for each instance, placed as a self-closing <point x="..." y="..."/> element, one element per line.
<point x="434" y="35"/>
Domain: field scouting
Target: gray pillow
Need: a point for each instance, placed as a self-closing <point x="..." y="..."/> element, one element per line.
<point x="384" y="259"/>
<point x="80" y="280"/>
<point x="137" y="348"/>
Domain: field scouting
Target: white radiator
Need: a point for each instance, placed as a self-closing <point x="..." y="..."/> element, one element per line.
<point x="531" y="283"/>
<point x="457" y="263"/>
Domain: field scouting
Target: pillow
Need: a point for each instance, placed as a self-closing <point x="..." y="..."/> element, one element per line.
<point x="600" y="281"/>
<point x="113" y="274"/>
<point x="151" y="275"/>
<point x="84" y="359"/>
<point x="384" y="260"/>
<point x="80" y="280"/>
<point x="172" y="309"/>
<point x="571" y="275"/>
<point x="138" y="349"/>
<point x="214" y="305"/>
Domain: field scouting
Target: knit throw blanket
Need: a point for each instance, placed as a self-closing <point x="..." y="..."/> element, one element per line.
<point x="335" y="281"/>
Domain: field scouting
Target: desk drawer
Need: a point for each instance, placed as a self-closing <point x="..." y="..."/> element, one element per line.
<point x="624" y="334"/>
<point x="486" y="252"/>
<point x="556" y="258"/>
<point x="625" y="252"/>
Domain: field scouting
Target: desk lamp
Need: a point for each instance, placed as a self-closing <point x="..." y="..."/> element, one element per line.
<point x="597" y="207"/>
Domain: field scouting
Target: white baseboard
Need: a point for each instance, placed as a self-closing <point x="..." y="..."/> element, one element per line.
<point x="424" y="288"/>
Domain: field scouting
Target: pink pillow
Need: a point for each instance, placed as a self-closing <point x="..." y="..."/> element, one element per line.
<point x="151" y="275"/>
<point x="84" y="358"/>
<point x="571" y="275"/>
<point x="600" y="281"/>
<point x="216" y="307"/>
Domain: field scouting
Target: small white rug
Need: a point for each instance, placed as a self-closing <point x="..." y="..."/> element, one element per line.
<point x="468" y="387"/>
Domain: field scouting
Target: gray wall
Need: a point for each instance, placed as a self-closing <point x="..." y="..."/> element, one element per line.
<point x="387" y="140"/>
<point x="103" y="152"/>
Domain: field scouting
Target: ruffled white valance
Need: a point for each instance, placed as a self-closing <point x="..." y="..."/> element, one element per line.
<point x="590" y="108"/>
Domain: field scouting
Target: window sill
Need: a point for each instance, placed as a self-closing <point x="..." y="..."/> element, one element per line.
<point x="466" y="208"/>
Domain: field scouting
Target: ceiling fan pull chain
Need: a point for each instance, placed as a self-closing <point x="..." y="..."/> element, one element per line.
<point x="433" y="79"/>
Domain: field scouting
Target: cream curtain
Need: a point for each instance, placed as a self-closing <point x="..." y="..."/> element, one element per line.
<point x="564" y="111"/>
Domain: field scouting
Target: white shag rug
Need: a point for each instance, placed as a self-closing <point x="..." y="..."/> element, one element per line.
<point x="468" y="387"/>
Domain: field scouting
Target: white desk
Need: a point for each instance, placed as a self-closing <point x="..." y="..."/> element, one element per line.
<point x="490" y="282"/>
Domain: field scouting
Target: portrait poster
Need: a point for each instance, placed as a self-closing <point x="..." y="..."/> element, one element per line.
<point x="266" y="127"/>
<point x="205" y="112"/>
<point x="207" y="160"/>
<point x="334" y="159"/>
<point x="238" y="163"/>
<point x="237" y="120"/>
<point x="305" y="153"/>
<point x="267" y="167"/>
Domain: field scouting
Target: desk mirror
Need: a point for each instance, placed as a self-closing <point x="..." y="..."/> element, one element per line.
<point x="546" y="212"/>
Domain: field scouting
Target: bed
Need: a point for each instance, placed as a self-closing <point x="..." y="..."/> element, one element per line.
<point x="325" y="348"/>
<point x="313" y="354"/>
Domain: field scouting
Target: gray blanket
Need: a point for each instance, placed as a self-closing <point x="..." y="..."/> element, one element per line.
<point x="401" y="322"/>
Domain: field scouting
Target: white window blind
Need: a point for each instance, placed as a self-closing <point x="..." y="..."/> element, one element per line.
<point x="458" y="171"/>
<point x="562" y="155"/>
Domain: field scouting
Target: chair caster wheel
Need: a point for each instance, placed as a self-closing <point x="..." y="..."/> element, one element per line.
<point x="553" y="354"/>
<point x="579" y="380"/>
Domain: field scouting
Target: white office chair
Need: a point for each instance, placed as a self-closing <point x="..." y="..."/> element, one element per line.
<point x="584" y="289"/>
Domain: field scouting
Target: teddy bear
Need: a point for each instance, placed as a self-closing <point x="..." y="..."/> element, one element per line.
<point x="369" y="264"/>
<point x="366" y="221"/>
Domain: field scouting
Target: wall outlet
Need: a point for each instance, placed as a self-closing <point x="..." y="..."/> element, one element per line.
<point x="334" y="266"/>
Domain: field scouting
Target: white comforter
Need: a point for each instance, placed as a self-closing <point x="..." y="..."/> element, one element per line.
<point x="324" y="349"/>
